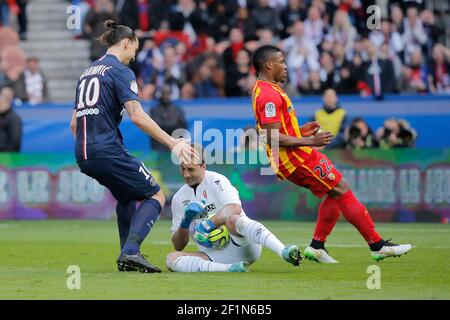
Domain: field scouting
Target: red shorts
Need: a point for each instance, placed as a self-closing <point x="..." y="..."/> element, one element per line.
<point x="317" y="174"/>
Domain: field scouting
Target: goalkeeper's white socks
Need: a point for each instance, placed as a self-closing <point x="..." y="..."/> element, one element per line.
<point x="256" y="232"/>
<point x="197" y="264"/>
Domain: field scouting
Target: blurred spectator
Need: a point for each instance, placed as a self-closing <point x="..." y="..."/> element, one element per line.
<point x="203" y="82"/>
<point x="266" y="37"/>
<point x="129" y="13"/>
<point x="171" y="72"/>
<point x="377" y="73"/>
<point x="314" y="86"/>
<point x="414" y="36"/>
<point x="93" y="25"/>
<point x="167" y="115"/>
<point x="432" y="30"/>
<point x="326" y="69"/>
<point x="359" y="135"/>
<point x="387" y="34"/>
<point x="294" y="11"/>
<point x="397" y="22"/>
<point x="332" y="117"/>
<point x="301" y="55"/>
<point x="387" y="54"/>
<point x="10" y="123"/>
<point x="222" y="13"/>
<point x="439" y="73"/>
<point x="35" y="82"/>
<point x="314" y="26"/>
<point x="396" y="134"/>
<point x="344" y="81"/>
<point x="13" y="63"/>
<point x="193" y="16"/>
<point x="6" y="7"/>
<point x="236" y="40"/>
<point x="243" y="22"/>
<point x="149" y="57"/>
<point x="414" y="76"/>
<point x="265" y="17"/>
<point x="159" y="13"/>
<point x="22" y="18"/>
<point x="238" y="80"/>
<point x="342" y="31"/>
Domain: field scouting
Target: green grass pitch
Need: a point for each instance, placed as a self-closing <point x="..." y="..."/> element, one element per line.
<point x="34" y="256"/>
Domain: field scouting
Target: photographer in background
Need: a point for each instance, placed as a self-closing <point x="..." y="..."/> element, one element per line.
<point x="396" y="134"/>
<point x="359" y="135"/>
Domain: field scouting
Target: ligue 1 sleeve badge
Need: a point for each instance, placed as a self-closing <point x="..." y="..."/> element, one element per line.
<point x="270" y="110"/>
<point x="134" y="86"/>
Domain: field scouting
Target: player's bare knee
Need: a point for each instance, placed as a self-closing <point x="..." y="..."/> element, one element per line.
<point x="171" y="258"/>
<point x="231" y="223"/>
<point x="159" y="196"/>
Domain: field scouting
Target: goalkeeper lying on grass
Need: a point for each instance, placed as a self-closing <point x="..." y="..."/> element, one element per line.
<point x="208" y="209"/>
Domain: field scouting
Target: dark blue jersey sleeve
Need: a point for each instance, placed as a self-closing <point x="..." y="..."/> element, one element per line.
<point x="126" y="86"/>
<point x="75" y="105"/>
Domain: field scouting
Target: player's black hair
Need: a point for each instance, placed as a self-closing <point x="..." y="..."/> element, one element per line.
<point x="116" y="33"/>
<point x="261" y="55"/>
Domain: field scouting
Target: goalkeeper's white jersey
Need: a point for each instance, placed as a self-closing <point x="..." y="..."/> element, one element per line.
<point x="216" y="190"/>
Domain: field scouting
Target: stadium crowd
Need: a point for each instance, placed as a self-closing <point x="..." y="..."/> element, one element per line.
<point x="203" y="48"/>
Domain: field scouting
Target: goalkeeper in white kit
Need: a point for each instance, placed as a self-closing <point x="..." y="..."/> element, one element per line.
<point x="210" y="194"/>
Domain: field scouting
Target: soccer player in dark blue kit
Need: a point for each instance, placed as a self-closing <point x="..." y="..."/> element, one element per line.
<point x="105" y="89"/>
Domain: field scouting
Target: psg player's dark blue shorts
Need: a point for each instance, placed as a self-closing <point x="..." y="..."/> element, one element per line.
<point x="127" y="177"/>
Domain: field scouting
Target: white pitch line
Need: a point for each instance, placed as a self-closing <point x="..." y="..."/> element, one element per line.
<point x="328" y="246"/>
<point x="382" y="228"/>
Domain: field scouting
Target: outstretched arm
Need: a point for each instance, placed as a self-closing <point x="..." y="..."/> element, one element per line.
<point x="273" y="134"/>
<point x="180" y="239"/>
<point x="227" y="211"/>
<point x="180" y="147"/>
<point x="146" y="124"/>
<point x="73" y="124"/>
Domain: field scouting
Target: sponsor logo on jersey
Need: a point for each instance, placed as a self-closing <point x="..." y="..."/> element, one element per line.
<point x="210" y="207"/>
<point x="331" y="176"/>
<point x="88" y="112"/>
<point x="185" y="203"/>
<point x="270" y="110"/>
<point x="217" y="182"/>
<point x="153" y="182"/>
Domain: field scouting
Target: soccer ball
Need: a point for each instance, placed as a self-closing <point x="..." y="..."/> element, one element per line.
<point x="219" y="237"/>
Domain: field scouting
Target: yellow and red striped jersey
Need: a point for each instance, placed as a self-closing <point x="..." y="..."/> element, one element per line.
<point x="270" y="105"/>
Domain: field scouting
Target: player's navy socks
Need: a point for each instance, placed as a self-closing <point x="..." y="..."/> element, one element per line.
<point x="125" y="213"/>
<point x="141" y="224"/>
<point x="316" y="244"/>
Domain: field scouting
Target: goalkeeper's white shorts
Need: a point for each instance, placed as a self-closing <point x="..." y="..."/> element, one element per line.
<point x="238" y="249"/>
